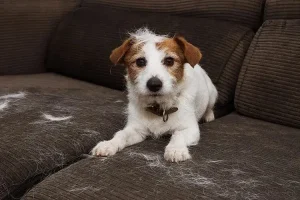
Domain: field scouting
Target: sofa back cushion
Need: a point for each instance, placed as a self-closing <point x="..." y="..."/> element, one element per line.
<point x="282" y="9"/>
<point x="26" y="27"/>
<point x="245" y="12"/>
<point x="269" y="83"/>
<point x="85" y="39"/>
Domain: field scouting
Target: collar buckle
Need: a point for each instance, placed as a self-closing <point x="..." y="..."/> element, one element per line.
<point x="165" y="116"/>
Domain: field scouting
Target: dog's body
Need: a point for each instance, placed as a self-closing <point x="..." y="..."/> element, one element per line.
<point x="162" y="72"/>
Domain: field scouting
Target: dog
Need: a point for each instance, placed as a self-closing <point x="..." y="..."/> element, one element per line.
<point x="168" y="92"/>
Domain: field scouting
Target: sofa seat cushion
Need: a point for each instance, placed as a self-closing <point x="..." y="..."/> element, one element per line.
<point x="237" y="158"/>
<point x="44" y="129"/>
<point x="47" y="80"/>
<point x="82" y="51"/>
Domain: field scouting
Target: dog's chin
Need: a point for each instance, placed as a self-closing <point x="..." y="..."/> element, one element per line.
<point x="155" y="95"/>
<point x="156" y="98"/>
<point x="165" y="100"/>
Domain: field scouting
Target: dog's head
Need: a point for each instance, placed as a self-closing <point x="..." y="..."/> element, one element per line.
<point x="155" y="64"/>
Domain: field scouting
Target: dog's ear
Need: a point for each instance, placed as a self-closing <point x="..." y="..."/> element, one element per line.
<point x="117" y="55"/>
<point x="192" y="54"/>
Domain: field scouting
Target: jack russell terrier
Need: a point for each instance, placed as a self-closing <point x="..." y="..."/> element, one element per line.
<point x="168" y="92"/>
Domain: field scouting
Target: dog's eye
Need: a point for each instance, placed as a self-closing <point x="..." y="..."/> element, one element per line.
<point x="141" y="62"/>
<point x="169" y="61"/>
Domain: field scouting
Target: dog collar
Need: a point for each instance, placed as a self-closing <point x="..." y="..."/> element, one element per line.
<point x="157" y="110"/>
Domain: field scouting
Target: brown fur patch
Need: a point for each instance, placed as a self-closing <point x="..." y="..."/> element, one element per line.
<point x="192" y="54"/>
<point x="172" y="49"/>
<point x="126" y="54"/>
<point x="129" y="60"/>
<point x="177" y="48"/>
<point x="118" y="53"/>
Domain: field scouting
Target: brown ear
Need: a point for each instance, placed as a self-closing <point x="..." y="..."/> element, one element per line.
<point x="118" y="53"/>
<point x="192" y="54"/>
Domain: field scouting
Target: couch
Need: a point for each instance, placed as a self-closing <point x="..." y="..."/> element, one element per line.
<point x="54" y="64"/>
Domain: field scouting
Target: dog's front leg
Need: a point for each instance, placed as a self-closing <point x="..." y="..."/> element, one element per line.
<point x="128" y="136"/>
<point x="177" y="149"/>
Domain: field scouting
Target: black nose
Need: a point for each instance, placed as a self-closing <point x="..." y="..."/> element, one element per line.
<point x="154" y="84"/>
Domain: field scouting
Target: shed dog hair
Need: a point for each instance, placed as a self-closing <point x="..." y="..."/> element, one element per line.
<point x="168" y="92"/>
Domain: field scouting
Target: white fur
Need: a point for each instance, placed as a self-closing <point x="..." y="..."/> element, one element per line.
<point x="144" y="35"/>
<point x="52" y="118"/>
<point x="194" y="96"/>
<point x="14" y="96"/>
<point x="3" y="105"/>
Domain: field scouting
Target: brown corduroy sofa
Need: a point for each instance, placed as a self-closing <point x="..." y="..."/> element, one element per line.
<point x="54" y="62"/>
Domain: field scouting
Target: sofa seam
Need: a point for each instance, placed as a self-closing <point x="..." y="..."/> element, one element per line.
<point x="238" y="43"/>
<point x="248" y="63"/>
<point x="233" y="51"/>
<point x="248" y="33"/>
<point x="44" y="175"/>
<point x="55" y="31"/>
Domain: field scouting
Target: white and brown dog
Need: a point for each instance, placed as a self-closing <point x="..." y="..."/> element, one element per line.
<point x="168" y="92"/>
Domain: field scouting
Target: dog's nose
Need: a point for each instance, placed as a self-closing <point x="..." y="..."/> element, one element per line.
<point x="154" y="84"/>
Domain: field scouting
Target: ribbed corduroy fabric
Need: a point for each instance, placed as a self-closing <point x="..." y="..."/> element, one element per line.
<point x="282" y="9"/>
<point x="237" y="158"/>
<point x="242" y="11"/>
<point x="269" y="84"/>
<point x="228" y="77"/>
<point x="25" y="30"/>
<point x="81" y="50"/>
<point x="32" y="146"/>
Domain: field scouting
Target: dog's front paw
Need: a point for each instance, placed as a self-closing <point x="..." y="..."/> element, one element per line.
<point x="177" y="154"/>
<point x="105" y="148"/>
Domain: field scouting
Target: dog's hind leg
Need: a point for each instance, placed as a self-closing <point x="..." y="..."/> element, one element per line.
<point x="213" y="94"/>
<point x="209" y="115"/>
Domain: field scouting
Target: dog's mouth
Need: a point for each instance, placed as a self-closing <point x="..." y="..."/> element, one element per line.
<point x="155" y="95"/>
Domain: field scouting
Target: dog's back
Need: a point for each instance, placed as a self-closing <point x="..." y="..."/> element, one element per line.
<point x="205" y="92"/>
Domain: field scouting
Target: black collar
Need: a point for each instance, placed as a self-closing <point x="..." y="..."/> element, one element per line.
<point x="157" y="110"/>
